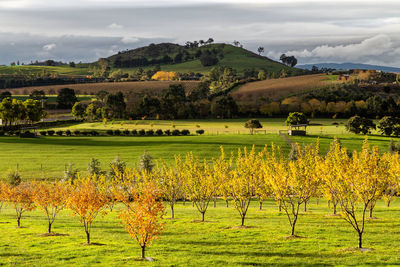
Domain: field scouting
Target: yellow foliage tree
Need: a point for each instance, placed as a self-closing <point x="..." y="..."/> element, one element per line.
<point x="50" y="198"/>
<point x="86" y="201"/>
<point x="20" y="197"/>
<point x="143" y="216"/>
<point x="165" y="76"/>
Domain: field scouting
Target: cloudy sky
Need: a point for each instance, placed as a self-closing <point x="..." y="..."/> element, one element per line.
<point x="312" y="30"/>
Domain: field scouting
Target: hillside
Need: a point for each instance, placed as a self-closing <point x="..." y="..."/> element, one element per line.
<point x="228" y="55"/>
<point x="153" y="87"/>
<point x="349" y="66"/>
<point x="278" y="88"/>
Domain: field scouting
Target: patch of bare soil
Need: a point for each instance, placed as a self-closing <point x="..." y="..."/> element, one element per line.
<point x="53" y="234"/>
<point x="294" y="237"/>
<point x="241" y="227"/>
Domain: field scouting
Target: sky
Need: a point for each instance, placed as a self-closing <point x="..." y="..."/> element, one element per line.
<point x="312" y="30"/>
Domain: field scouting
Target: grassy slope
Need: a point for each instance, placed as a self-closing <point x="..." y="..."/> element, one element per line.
<point x="61" y="70"/>
<point x="235" y="57"/>
<point x="214" y="243"/>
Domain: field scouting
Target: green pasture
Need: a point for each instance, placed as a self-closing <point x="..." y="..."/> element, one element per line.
<point x="25" y="70"/>
<point x="53" y="98"/>
<point x="326" y="240"/>
<point x="46" y="157"/>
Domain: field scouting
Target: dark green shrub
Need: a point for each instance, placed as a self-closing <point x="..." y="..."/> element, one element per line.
<point x="159" y="132"/>
<point x="167" y="132"/>
<point x="109" y="132"/>
<point x="150" y="132"/>
<point x="1" y="133"/>
<point x="50" y="133"/>
<point x="85" y="133"/>
<point x="176" y="132"/>
<point x="200" y="132"/>
<point x="126" y="132"/>
<point x="134" y="132"/>
<point x="77" y="132"/>
<point x="185" y="132"/>
<point x="68" y="133"/>
<point x="117" y="132"/>
<point x="142" y="132"/>
<point x="43" y="133"/>
<point x="13" y="177"/>
<point x="59" y="133"/>
<point x="94" y="133"/>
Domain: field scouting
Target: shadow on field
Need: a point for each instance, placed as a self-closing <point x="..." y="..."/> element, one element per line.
<point x="139" y="141"/>
<point x="267" y="254"/>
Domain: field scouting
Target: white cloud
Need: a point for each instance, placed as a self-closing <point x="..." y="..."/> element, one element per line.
<point x="129" y="39"/>
<point x="49" y="47"/>
<point x="115" y="26"/>
<point x="377" y="46"/>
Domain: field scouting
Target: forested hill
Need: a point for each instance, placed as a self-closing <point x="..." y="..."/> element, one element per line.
<point x="175" y="57"/>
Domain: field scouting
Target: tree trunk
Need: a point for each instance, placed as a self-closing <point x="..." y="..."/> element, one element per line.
<point x="192" y="203"/>
<point x="172" y="212"/>
<point x="305" y="206"/>
<point x="87" y="237"/>
<point x="388" y="203"/>
<point x="215" y="202"/>
<point x="184" y="201"/>
<point x="243" y="216"/>
<point x="334" y="208"/>
<point x="261" y="202"/>
<point x="294" y="225"/>
<point x="370" y="211"/>
<point x="143" y="252"/>
<point x="19" y="222"/>
<point x="202" y="216"/>
<point x="49" y="227"/>
<point x="359" y="240"/>
<point x="227" y="203"/>
<point x="317" y="200"/>
<point x="280" y="208"/>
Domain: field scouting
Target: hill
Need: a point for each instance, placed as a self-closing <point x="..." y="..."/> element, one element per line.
<point x="275" y="89"/>
<point x="349" y="66"/>
<point x="175" y="57"/>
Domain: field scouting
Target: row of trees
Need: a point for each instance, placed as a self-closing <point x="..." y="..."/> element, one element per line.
<point x="351" y="182"/>
<point x="14" y="110"/>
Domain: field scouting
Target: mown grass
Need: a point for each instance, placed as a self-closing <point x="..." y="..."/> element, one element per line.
<point x="327" y="240"/>
<point x="46" y="157"/>
<point x="61" y="70"/>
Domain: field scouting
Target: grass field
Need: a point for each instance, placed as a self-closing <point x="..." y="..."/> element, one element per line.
<point x="61" y="70"/>
<point x="152" y="87"/>
<point x="278" y="88"/>
<point x="46" y="157"/>
<point x="327" y="240"/>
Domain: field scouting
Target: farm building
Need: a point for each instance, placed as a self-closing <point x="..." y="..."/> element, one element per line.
<point x="298" y="129"/>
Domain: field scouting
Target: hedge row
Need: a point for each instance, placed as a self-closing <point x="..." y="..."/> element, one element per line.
<point x="142" y="132"/>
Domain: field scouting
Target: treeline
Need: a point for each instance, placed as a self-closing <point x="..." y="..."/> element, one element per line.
<point x="13" y="111"/>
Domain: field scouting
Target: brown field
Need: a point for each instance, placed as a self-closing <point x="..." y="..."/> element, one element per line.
<point x="155" y="87"/>
<point x="275" y="89"/>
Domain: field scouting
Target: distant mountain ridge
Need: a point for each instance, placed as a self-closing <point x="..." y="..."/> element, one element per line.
<point x="348" y="66"/>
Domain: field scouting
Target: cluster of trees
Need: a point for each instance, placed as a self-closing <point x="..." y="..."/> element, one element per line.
<point x="288" y="60"/>
<point x="386" y="126"/>
<point x="374" y="106"/>
<point x="196" y="44"/>
<point x="351" y="182"/>
<point x="13" y="111"/>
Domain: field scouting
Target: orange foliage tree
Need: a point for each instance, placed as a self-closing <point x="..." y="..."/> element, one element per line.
<point x="143" y="216"/>
<point x="50" y="198"/>
<point x="86" y="201"/>
<point x="165" y="76"/>
<point x="20" y="197"/>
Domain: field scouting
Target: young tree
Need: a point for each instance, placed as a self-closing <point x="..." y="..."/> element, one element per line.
<point x="359" y="184"/>
<point x="146" y="162"/>
<point x="143" y="216"/>
<point x="260" y="50"/>
<point x="78" y="110"/>
<point x="201" y="184"/>
<point x="33" y="110"/>
<point x="20" y="197"/>
<point x="295" y="118"/>
<point x="66" y="98"/>
<point x="50" y="198"/>
<point x="242" y="182"/>
<point x="291" y="181"/>
<point x="86" y="201"/>
<point x="170" y="182"/>
<point x="357" y="124"/>
<point x="252" y="124"/>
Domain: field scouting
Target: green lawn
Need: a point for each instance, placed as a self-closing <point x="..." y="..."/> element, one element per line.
<point x="327" y="240"/>
<point x="61" y="70"/>
<point x="46" y="157"/>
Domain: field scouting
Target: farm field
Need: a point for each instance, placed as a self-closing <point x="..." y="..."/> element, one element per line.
<point x="153" y="87"/>
<point x="46" y="157"/>
<point x="327" y="240"/>
<point x="277" y="88"/>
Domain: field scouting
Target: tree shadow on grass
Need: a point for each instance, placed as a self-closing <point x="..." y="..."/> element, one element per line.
<point x="268" y="254"/>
